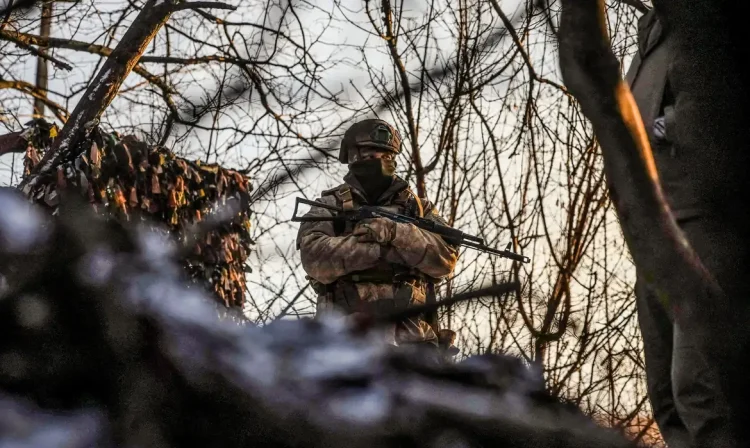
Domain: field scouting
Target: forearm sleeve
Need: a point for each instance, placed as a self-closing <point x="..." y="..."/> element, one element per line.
<point x="326" y="257"/>
<point x="423" y="250"/>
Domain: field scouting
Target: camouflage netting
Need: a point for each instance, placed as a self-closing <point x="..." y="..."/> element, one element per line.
<point x="126" y="179"/>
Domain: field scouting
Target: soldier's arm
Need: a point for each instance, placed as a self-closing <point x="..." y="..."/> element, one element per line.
<point x="423" y="250"/>
<point x="326" y="257"/>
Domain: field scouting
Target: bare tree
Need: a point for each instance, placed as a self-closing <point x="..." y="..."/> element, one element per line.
<point x="204" y="74"/>
<point x="491" y="135"/>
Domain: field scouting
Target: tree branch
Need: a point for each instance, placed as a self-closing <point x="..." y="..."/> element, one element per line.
<point x="200" y="5"/>
<point x="489" y="291"/>
<point x="60" y="112"/>
<point x="13" y="142"/>
<point x="516" y="40"/>
<point x="70" y="44"/>
<point x="392" y="42"/>
<point x="10" y="36"/>
<point x="101" y="50"/>
<point x="17" y="5"/>
<point x="103" y="88"/>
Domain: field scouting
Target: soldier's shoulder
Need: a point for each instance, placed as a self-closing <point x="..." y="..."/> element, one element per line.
<point x="330" y="191"/>
<point x="428" y="206"/>
<point x="333" y="192"/>
<point x="328" y="199"/>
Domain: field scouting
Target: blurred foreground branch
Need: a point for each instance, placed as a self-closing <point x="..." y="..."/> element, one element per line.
<point x="104" y="338"/>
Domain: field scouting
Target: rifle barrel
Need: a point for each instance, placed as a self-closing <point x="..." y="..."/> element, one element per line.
<point x="450" y="234"/>
<point x="502" y="253"/>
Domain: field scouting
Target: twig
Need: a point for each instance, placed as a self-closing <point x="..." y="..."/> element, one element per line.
<point x="292" y="302"/>
<point x="12" y="6"/>
<point x="33" y="91"/>
<point x="494" y="290"/>
<point x="58" y="63"/>
<point x="526" y="59"/>
<point x="199" y="5"/>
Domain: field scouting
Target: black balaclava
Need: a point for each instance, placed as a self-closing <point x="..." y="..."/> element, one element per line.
<point x="375" y="176"/>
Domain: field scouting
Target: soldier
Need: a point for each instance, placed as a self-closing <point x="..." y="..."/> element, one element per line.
<point x="688" y="406"/>
<point x="375" y="265"/>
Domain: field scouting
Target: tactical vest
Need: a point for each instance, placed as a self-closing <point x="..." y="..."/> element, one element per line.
<point x="404" y="279"/>
<point x="407" y="202"/>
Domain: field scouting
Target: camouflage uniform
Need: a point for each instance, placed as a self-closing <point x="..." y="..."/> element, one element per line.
<point x="355" y="276"/>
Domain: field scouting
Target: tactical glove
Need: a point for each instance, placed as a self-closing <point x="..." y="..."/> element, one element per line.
<point x="375" y="230"/>
<point x="446" y="342"/>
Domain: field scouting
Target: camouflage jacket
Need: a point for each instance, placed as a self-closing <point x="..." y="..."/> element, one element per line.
<point x="346" y="272"/>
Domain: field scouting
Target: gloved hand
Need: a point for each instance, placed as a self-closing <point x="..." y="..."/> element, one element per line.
<point x="375" y="230"/>
<point x="446" y="342"/>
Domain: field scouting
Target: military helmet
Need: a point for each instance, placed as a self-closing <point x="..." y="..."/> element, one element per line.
<point x="372" y="133"/>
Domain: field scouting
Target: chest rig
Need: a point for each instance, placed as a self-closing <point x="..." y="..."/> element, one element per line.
<point x="404" y="202"/>
<point x="409" y="285"/>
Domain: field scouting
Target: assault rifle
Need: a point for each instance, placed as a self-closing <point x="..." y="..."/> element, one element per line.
<point x="449" y="234"/>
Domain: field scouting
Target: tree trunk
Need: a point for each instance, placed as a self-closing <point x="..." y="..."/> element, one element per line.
<point x="710" y="102"/>
<point x="42" y="77"/>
